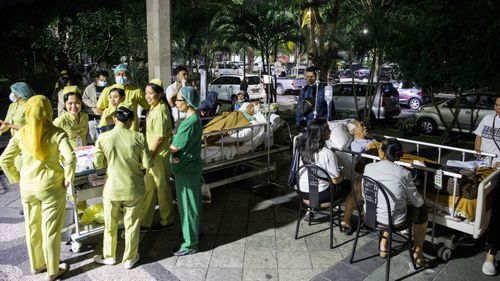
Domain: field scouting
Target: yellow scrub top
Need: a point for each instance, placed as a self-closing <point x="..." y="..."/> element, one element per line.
<point x="35" y="175"/>
<point x="74" y="130"/>
<point x="134" y="96"/>
<point x="124" y="152"/>
<point x="15" y="116"/>
<point x="159" y="124"/>
<point x="107" y="115"/>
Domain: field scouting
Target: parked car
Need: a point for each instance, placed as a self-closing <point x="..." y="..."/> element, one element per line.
<point x="228" y="86"/>
<point x="225" y="68"/>
<point x="472" y="108"/>
<point x="385" y="105"/>
<point x="362" y="73"/>
<point x="410" y="95"/>
<point x="285" y="85"/>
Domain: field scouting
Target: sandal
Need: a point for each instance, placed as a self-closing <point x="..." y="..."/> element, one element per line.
<point x="422" y="263"/>
<point x="346" y="228"/>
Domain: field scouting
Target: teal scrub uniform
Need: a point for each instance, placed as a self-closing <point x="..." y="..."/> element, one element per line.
<point x="187" y="167"/>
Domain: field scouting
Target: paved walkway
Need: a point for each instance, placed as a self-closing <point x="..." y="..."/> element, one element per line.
<point x="247" y="236"/>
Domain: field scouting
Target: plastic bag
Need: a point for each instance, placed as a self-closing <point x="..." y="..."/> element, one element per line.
<point x="93" y="213"/>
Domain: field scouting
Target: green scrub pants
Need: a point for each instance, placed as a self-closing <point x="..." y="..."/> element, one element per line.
<point x="158" y="191"/>
<point x="131" y="220"/>
<point x="188" y="188"/>
<point x="44" y="219"/>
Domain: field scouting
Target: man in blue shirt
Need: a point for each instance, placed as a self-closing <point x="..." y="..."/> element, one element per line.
<point x="308" y="100"/>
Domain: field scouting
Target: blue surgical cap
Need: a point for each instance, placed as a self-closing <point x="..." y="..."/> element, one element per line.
<point x="120" y="67"/>
<point x="191" y="96"/>
<point x="22" y="90"/>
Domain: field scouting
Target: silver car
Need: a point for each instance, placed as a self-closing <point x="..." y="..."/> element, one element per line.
<point x="385" y="103"/>
<point x="472" y="108"/>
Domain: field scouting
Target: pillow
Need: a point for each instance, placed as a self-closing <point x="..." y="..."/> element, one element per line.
<point x="339" y="137"/>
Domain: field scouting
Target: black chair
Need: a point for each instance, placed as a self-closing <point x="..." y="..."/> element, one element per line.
<point x="312" y="205"/>
<point x="371" y="194"/>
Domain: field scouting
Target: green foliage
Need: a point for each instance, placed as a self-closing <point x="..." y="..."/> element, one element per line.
<point x="407" y="127"/>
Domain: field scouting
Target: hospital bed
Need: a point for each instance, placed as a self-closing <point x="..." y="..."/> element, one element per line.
<point x="246" y="148"/>
<point x="469" y="217"/>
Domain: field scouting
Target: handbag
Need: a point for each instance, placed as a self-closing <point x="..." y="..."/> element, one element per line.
<point x="294" y="166"/>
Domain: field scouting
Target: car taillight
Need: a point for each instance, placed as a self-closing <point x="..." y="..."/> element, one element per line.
<point x="293" y="83"/>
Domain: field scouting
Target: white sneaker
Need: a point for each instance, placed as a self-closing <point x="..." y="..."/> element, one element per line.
<point x="107" y="261"/>
<point x="130" y="263"/>
<point x="489" y="268"/>
<point x="63" y="267"/>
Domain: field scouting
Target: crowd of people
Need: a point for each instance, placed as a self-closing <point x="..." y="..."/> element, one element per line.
<point x="139" y="165"/>
<point x="40" y="157"/>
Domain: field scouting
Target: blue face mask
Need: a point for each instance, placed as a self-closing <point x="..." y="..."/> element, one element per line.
<point x="123" y="80"/>
<point x="101" y="83"/>
<point x="12" y="97"/>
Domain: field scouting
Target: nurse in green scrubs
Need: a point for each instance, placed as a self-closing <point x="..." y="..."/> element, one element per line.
<point x="126" y="154"/>
<point x="187" y="167"/>
<point x="158" y="137"/>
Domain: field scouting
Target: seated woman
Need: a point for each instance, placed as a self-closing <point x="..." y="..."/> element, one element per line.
<point x="401" y="189"/>
<point x="208" y="107"/>
<point x="314" y="151"/>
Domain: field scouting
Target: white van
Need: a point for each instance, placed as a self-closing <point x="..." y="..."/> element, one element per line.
<point x="228" y="68"/>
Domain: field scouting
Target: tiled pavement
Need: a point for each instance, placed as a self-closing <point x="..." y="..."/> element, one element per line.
<point x="247" y="236"/>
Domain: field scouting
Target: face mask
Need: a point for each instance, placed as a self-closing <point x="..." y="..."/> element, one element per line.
<point x="183" y="82"/>
<point x="121" y="80"/>
<point x="102" y="83"/>
<point x="12" y="97"/>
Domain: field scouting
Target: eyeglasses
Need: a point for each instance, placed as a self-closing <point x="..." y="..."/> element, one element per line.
<point x="179" y="100"/>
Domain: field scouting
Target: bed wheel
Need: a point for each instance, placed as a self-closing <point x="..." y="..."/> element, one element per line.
<point x="76" y="246"/>
<point x="444" y="253"/>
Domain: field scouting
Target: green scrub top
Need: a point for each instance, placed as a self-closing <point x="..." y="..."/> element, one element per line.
<point x="159" y="124"/>
<point x="77" y="132"/>
<point x="134" y="96"/>
<point x="15" y="116"/>
<point x="36" y="175"/>
<point x="125" y="153"/>
<point x="188" y="141"/>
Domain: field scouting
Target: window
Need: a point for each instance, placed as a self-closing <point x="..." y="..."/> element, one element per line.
<point x="233" y="80"/>
<point x="253" y="80"/>
<point x="218" y="81"/>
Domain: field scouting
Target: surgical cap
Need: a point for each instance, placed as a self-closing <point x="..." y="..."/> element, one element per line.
<point x="22" y="90"/>
<point x="120" y="67"/>
<point x="71" y="89"/>
<point x="157" y="82"/>
<point x="191" y="96"/>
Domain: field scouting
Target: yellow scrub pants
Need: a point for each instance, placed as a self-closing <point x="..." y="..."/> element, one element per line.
<point x="44" y="219"/>
<point x="131" y="220"/>
<point x="158" y="191"/>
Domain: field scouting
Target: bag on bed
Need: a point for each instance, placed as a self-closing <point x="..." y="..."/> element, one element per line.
<point x="468" y="184"/>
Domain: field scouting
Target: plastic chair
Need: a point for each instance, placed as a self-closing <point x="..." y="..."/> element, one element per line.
<point x="312" y="205"/>
<point x="371" y="193"/>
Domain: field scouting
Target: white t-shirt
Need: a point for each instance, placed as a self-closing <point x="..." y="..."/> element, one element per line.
<point x="485" y="131"/>
<point x="401" y="188"/>
<point x="176" y="114"/>
<point x="326" y="159"/>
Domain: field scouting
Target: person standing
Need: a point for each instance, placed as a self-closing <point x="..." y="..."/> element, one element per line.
<point x="93" y="91"/>
<point x="311" y="104"/>
<point x="187" y="168"/>
<point x="133" y="95"/>
<point x="181" y="74"/>
<point x="125" y="154"/>
<point x="15" y="119"/>
<point x="158" y="137"/>
<point x="488" y="140"/>
<point x="73" y="121"/>
<point x="43" y="182"/>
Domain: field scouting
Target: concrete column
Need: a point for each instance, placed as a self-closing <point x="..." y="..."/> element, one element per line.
<point x="159" y="50"/>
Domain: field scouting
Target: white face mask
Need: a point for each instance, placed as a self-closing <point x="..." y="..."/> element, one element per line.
<point x="102" y="83"/>
<point x="12" y="97"/>
<point x="183" y="82"/>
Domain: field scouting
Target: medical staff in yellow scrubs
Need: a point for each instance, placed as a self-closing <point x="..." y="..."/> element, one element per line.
<point x="158" y="137"/>
<point x="43" y="182"/>
<point x="134" y="96"/>
<point x="116" y="99"/>
<point x="187" y="167"/>
<point x="73" y="121"/>
<point x="125" y="153"/>
<point x="14" y="120"/>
